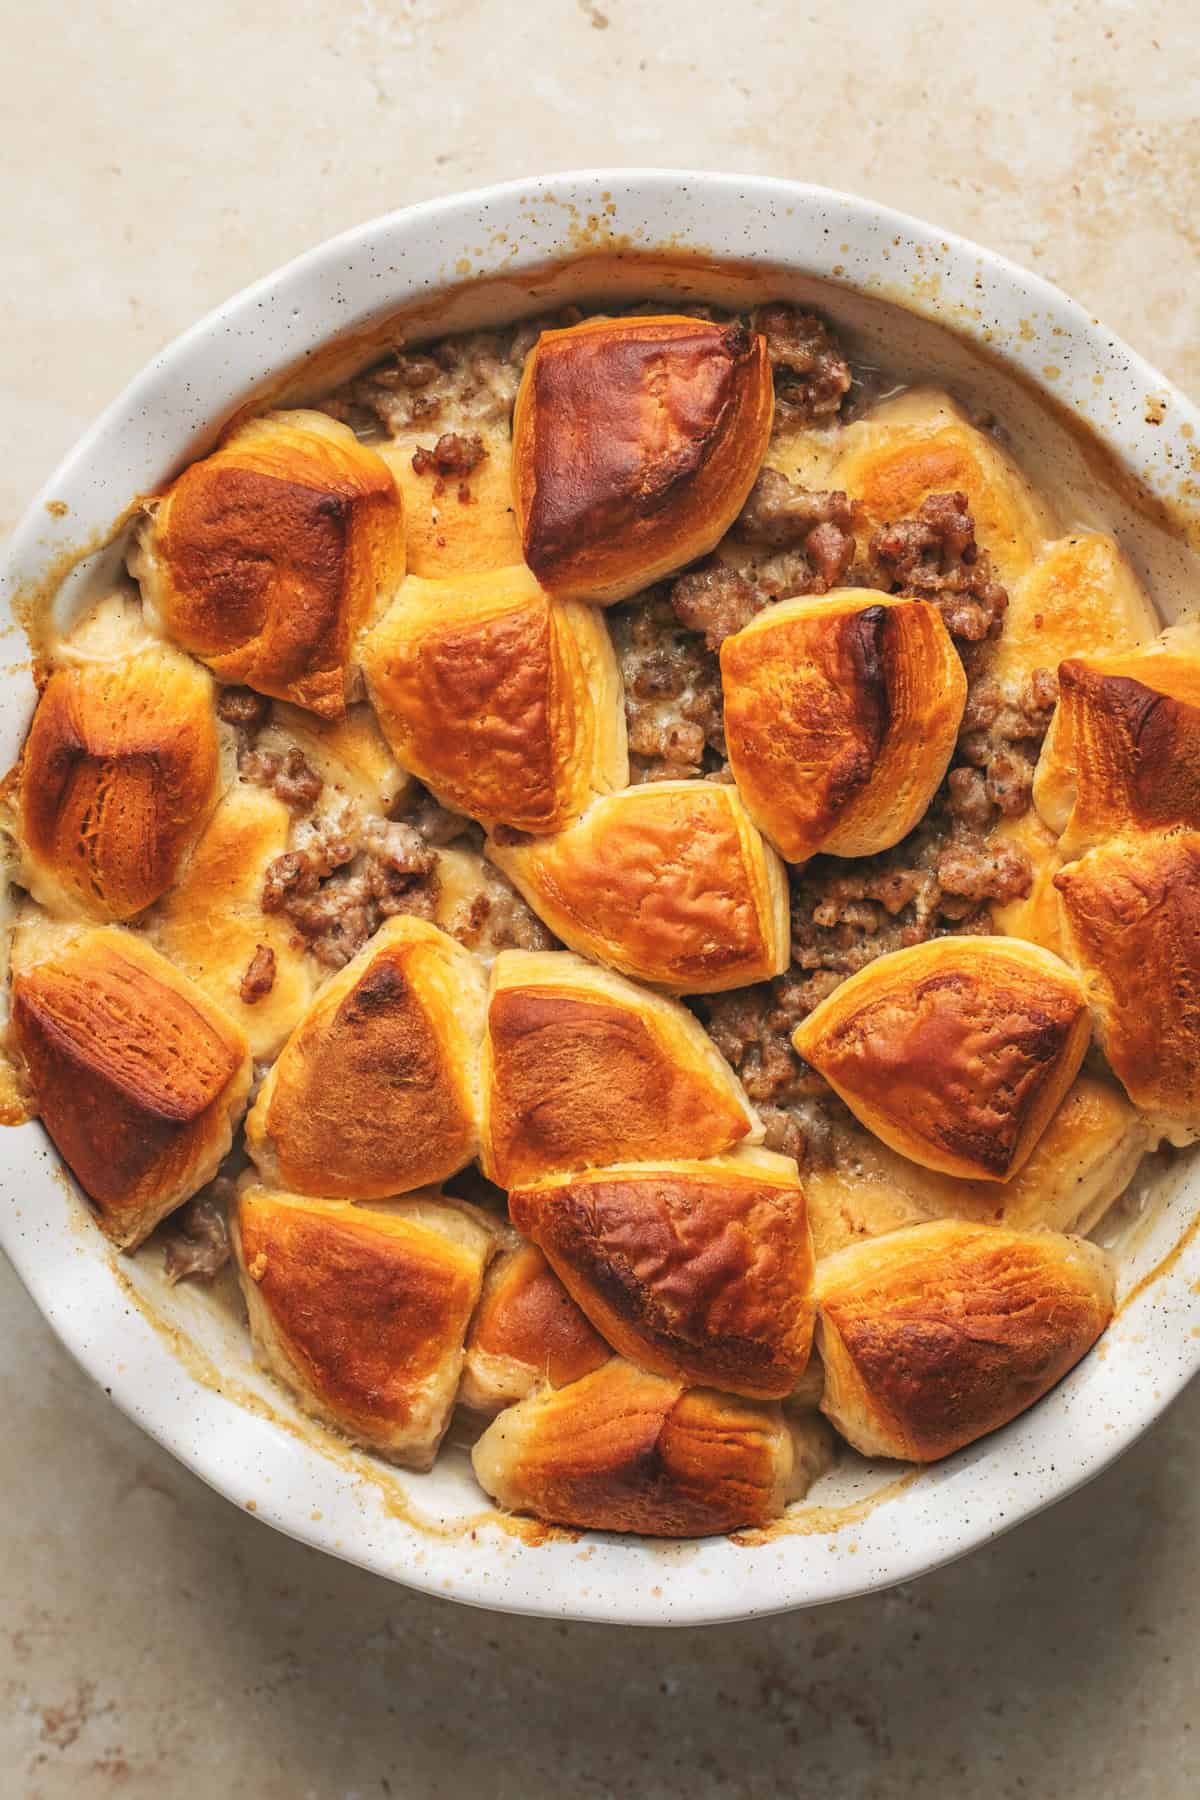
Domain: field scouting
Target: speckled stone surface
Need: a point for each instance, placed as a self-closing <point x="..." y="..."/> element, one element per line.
<point x="157" y="1641"/>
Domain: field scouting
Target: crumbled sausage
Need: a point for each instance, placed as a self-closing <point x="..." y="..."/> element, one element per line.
<point x="242" y="707"/>
<point x="336" y="921"/>
<point x="455" y="453"/>
<point x="346" y="873"/>
<point x="783" y="1132"/>
<point x="286" y="876"/>
<point x="715" y="600"/>
<point x="469" y="379"/>
<point x="974" y="870"/>
<point x="339" y="886"/>
<point x="812" y="376"/>
<point x="780" y="513"/>
<point x="260" y="766"/>
<point x="967" y="797"/>
<point x="933" y="556"/>
<point x="259" y="978"/>
<point x="752" y="1027"/>
<point x="787" y="540"/>
<point x="289" y="775"/>
<point x="847" y="913"/>
<point x="998" y="747"/>
<point x="672" y="690"/>
<point x="829" y="548"/>
<point x="195" y="1239"/>
<point x="399" y="869"/>
<point x="297" y="783"/>
<point x="497" y="918"/>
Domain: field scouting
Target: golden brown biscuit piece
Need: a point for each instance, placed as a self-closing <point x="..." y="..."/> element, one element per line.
<point x="376" y="1092"/>
<point x="669" y="882"/>
<point x="1083" y="1162"/>
<point x="506" y="703"/>
<point x="1080" y="598"/>
<point x="701" y="1271"/>
<point x="527" y="1331"/>
<point x="119" y="773"/>
<point x="624" y="1450"/>
<point x="456" y="523"/>
<point x="138" y="1078"/>
<point x="268" y="557"/>
<point x="1131" y="923"/>
<point x="213" y="926"/>
<point x="841" y="716"/>
<point x="635" y="444"/>
<point x="1035" y="916"/>
<point x="362" y="1311"/>
<point x="1123" y="749"/>
<point x="956" y="1052"/>
<point x="920" y="443"/>
<point x="934" y="1336"/>
<point x="581" y="1067"/>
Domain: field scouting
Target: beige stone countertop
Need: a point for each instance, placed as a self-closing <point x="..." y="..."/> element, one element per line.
<point x="157" y="1641"/>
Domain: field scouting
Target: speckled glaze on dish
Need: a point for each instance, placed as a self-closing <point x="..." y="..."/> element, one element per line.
<point x="929" y="305"/>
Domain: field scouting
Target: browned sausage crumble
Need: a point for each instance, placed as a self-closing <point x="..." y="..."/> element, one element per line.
<point x="345" y="877"/>
<point x="933" y="555"/>
<point x="290" y="776"/>
<point x="242" y="707"/>
<point x="812" y="375"/>
<point x="259" y="978"/>
<point x="347" y="871"/>
<point x="673" y="706"/>
<point x="455" y="453"/>
<point x="473" y="377"/>
<point x="195" y="1239"/>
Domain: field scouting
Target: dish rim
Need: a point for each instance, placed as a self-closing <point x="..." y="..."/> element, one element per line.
<point x="949" y="1511"/>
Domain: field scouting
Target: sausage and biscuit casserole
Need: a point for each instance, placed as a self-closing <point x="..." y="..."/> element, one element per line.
<point x="644" y="888"/>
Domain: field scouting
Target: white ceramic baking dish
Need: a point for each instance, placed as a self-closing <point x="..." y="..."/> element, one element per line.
<point x="1113" y="443"/>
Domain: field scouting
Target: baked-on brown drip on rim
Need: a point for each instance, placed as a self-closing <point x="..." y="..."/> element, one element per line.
<point x="376" y="1091"/>
<point x="933" y="1336"/>
<point x="118" y="775"/>
<point x="139" y="1079"/>
<point x="1131" y="920"/>
<point x="635" y="443"/>
<point x="840" y="718"/>
<point x="581" y="1067"/>
<point x="362" y="1311"/>
<point x="698" y="1270"/>
<point x="955" y="1052"/>
<point x="526" y="1330"/>
<point x="624" y="1450"/>
<point x="669" y="882"/>
<point x="506" y="703"/>
<point x="266" y="558"/>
